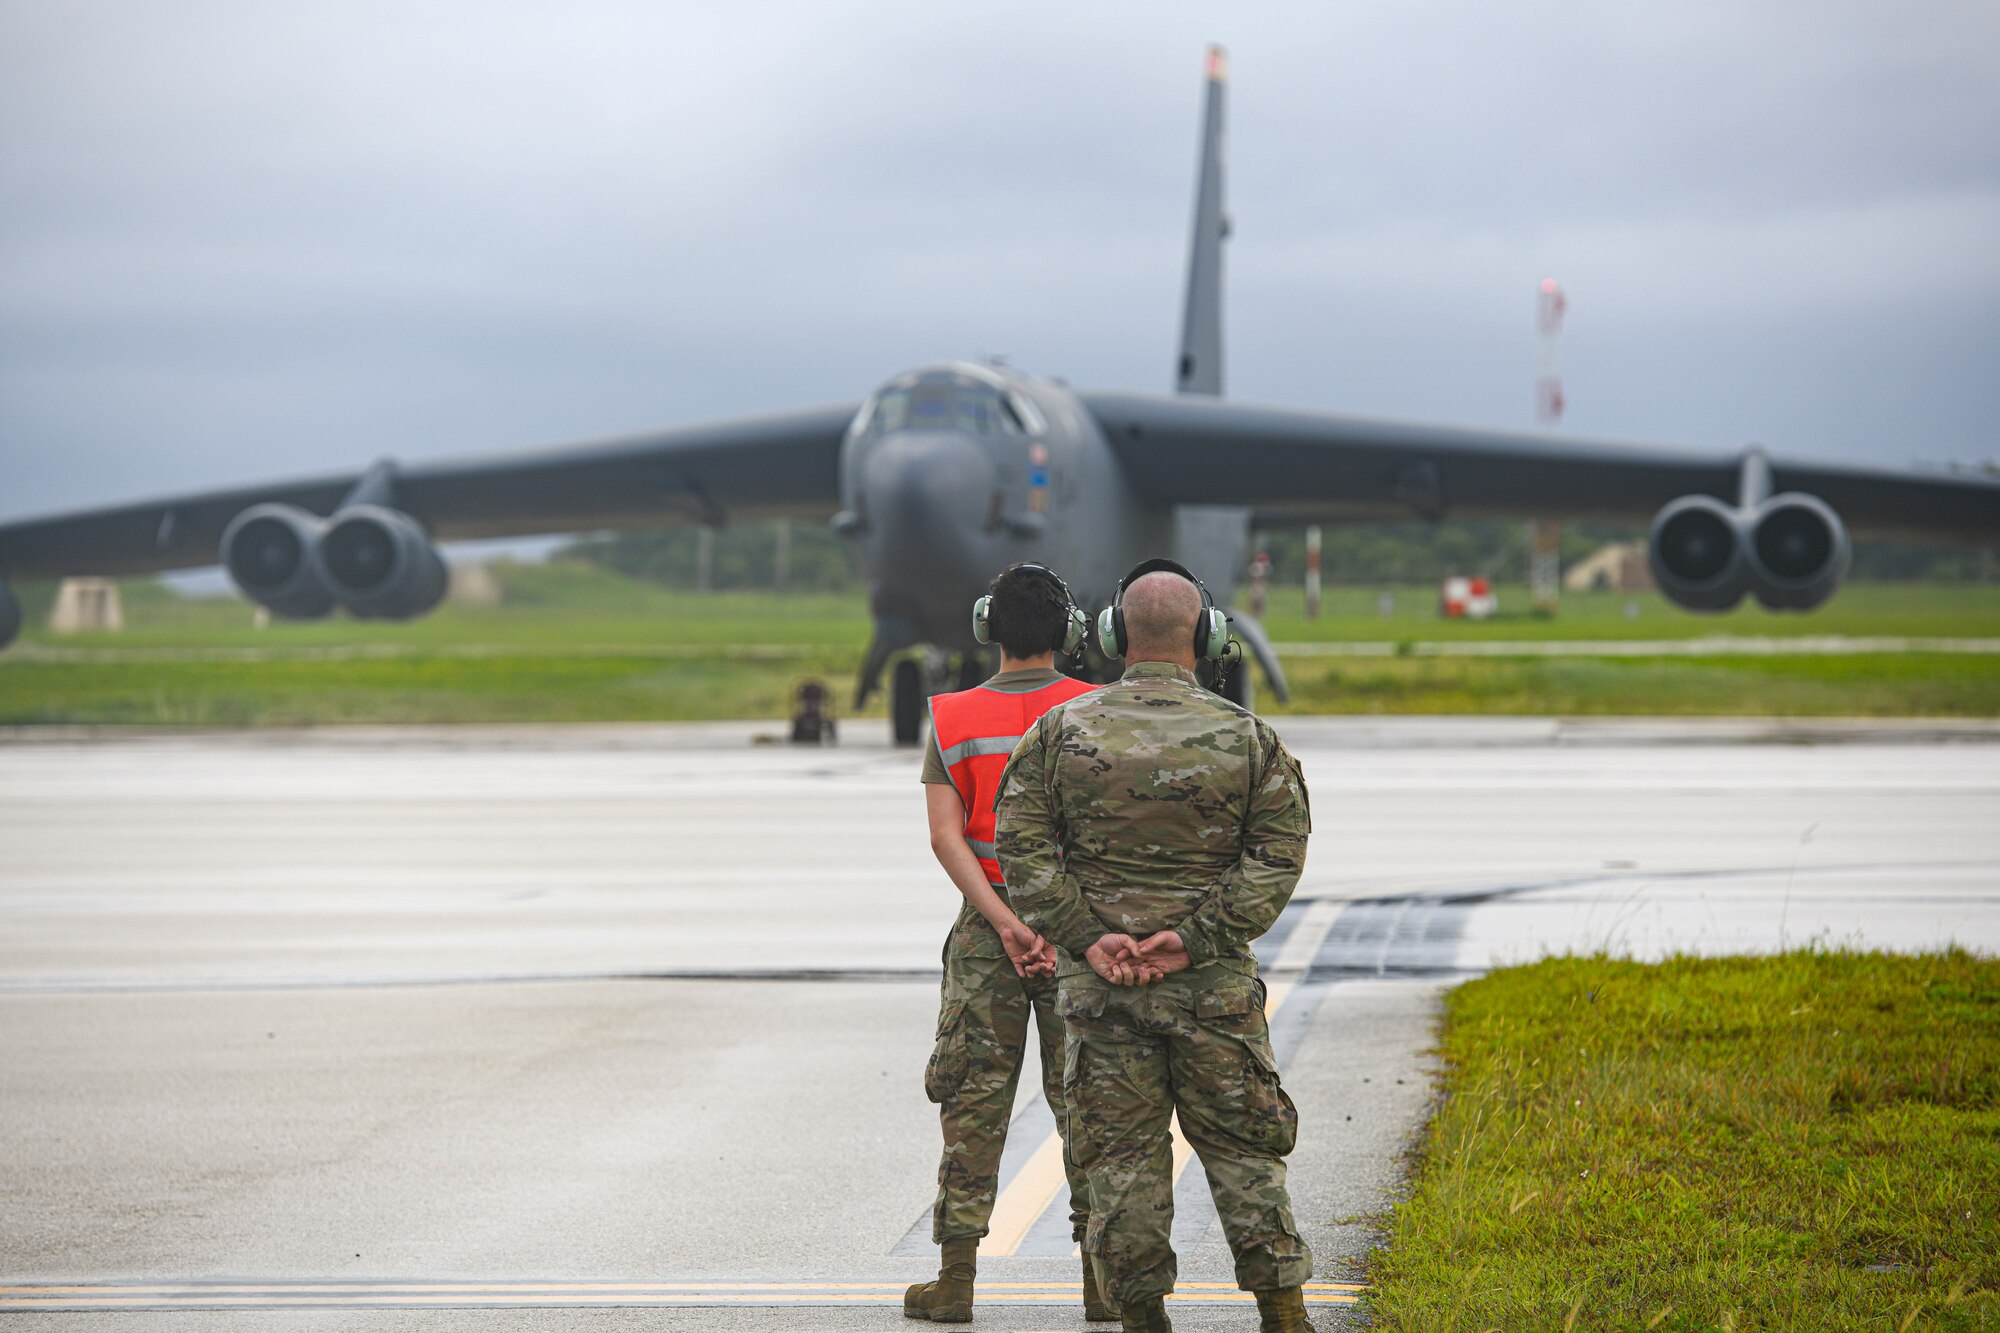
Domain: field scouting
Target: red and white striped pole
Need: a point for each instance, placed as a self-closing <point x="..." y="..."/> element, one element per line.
<point x="1312" y="573"/>
<point x="1549" y="307"/>
<point x="1545" y="535"/>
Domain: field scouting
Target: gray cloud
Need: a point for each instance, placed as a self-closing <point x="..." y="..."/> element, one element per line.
<point x="240" y="241"/>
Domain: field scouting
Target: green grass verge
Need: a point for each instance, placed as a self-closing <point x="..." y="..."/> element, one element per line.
<point x="609" y="683"/>
<point x="1944" y="610"/>
<point x="1804" y="1142"/>
<point x="574" y="643"/>
<point x="1862" y="685"/>
<point x="418" y="688"/>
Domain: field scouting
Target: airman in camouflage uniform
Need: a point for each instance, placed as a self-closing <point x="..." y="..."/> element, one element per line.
<point x="1149" y="809"/>
<point x="998" y="975"/>
<point x="984" y="1013"/>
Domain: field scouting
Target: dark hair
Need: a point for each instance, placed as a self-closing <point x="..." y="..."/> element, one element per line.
<point x="1029" y="613"/>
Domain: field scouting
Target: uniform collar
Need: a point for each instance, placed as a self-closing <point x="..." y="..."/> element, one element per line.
<point x="1025" y="681"/>
<point x="1160" y="669"/>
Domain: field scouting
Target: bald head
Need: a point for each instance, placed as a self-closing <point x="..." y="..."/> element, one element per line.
<point x="1160" y="613"/>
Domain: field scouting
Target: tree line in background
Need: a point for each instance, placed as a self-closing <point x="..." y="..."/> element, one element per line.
<point x="810" y="556"/>
<point x="813" y="558"/>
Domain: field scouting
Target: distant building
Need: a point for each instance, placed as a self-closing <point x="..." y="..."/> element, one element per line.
<point x="1618" y="567"/>
<point x="474" y="585"/>
<point x="86" y="605"/>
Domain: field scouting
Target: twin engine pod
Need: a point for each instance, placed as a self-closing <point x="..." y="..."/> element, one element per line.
<point x="1791" y="551"/>
<point x="268" y="551"/>
<point x="375" y="562"/>
<point x="379" y="563"/>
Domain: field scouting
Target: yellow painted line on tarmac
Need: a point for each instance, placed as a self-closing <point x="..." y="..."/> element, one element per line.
<point x="1027" y="1196"/>
<point x="1035" y="1186"/>
<point x="897" y="1285"/>
<point x="472" y="1295"/>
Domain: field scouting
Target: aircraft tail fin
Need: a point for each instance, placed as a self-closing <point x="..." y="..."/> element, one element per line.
<point x="1201" y="325"/>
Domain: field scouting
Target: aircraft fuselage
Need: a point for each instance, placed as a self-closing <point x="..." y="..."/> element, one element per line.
<point x="952" y="472"/>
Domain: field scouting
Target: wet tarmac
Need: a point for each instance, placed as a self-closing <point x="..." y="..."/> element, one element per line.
<point x="410" y="1028"/>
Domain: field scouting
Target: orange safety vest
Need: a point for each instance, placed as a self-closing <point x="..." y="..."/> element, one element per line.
<point x="976" y="731"/>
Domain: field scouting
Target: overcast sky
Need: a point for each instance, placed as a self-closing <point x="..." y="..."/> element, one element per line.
<point x="251" y="240"/>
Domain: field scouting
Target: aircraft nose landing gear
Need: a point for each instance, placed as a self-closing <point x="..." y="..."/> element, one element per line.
<point x="906" y="701"/>
<point x="917" y="677"/>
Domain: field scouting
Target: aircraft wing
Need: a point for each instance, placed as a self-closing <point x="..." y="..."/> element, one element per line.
<point x="1302" y="467"/>
<point x="754" y="467"/>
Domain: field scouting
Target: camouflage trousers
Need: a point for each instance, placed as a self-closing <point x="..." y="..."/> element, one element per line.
<point x="1194" y="1044"/>
<point x="982" y="1035"/>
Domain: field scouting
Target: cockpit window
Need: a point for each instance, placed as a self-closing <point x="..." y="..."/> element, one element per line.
<point x="1026" y="417"/>
<point x="943" y="402"/>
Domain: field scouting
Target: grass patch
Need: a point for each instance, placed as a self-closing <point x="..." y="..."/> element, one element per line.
<point x="571" y="642"/>
<point x="1861" y="685"/>
<point x="416" y="688"/>
<point x="560" y="605"/>
<point x="1809" y="1141"/>
<point x="1922" y="610"/>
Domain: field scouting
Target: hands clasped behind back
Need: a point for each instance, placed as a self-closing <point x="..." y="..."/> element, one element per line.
<point x="1124" y="961"/>
<point x="1031" y="955"/>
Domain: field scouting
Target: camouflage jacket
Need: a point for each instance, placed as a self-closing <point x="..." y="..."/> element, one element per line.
<point x="1153" y="804"/>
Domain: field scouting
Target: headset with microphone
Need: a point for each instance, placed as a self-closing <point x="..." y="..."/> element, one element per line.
<point x="1075" y="623"/>
<point x="1211" y="627"/>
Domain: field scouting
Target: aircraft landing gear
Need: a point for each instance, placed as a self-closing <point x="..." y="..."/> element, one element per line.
<point x="917" y="676"/>
<point x="1239" y="687"/>
<point x="906" y="701"/>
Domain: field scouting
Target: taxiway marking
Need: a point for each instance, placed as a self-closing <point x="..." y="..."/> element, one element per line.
<point x="1716" y="645"/>
<point x="411" y="1294"/>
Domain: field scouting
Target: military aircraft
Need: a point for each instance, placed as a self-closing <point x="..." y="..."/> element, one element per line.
<point x="949" y="472"/>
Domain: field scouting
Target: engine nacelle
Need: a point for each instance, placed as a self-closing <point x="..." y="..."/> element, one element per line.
<point x="1798" y="552"/>
<point x="379" y="563"/>
<point x="268" y="550"/>
<point x="10" y="615"/>
<point x="1790" y="550"/>
<point x="1697" y="553"/>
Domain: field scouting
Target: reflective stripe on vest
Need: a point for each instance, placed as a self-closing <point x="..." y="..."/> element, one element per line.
<point x="976" y="731"/>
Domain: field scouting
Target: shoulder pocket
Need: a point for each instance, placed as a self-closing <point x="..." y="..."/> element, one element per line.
<point x="1305" y="797"/>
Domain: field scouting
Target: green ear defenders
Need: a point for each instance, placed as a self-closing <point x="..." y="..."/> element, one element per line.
<point x="1075" y="623"/>
<point x="1211" y="628"/>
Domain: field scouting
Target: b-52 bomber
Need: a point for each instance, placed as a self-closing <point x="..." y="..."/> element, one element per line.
<point x="949" y="472"/>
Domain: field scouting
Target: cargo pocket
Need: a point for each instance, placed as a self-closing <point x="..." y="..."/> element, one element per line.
<point x="945" y="1074"/>
<point x="1229" y="1000"/>
<point x="1080" y="1002"/>
<point x="1265" y="1119"/>
<point x="1077" y="1123"/>
<point x="1273" y="1120"/>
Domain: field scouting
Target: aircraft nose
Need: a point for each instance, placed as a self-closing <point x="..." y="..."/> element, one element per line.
<point x="929" y="496"/>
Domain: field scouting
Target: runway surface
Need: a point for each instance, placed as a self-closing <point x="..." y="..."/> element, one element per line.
<point x="485" y="1028"/>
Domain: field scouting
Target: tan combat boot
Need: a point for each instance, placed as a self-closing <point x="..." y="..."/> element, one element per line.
<point x="1148" y="1316"/>
<point x="949" y="1299"/>
<point x="1282" y="1311"/>
<point x="1097" y="1307"/>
